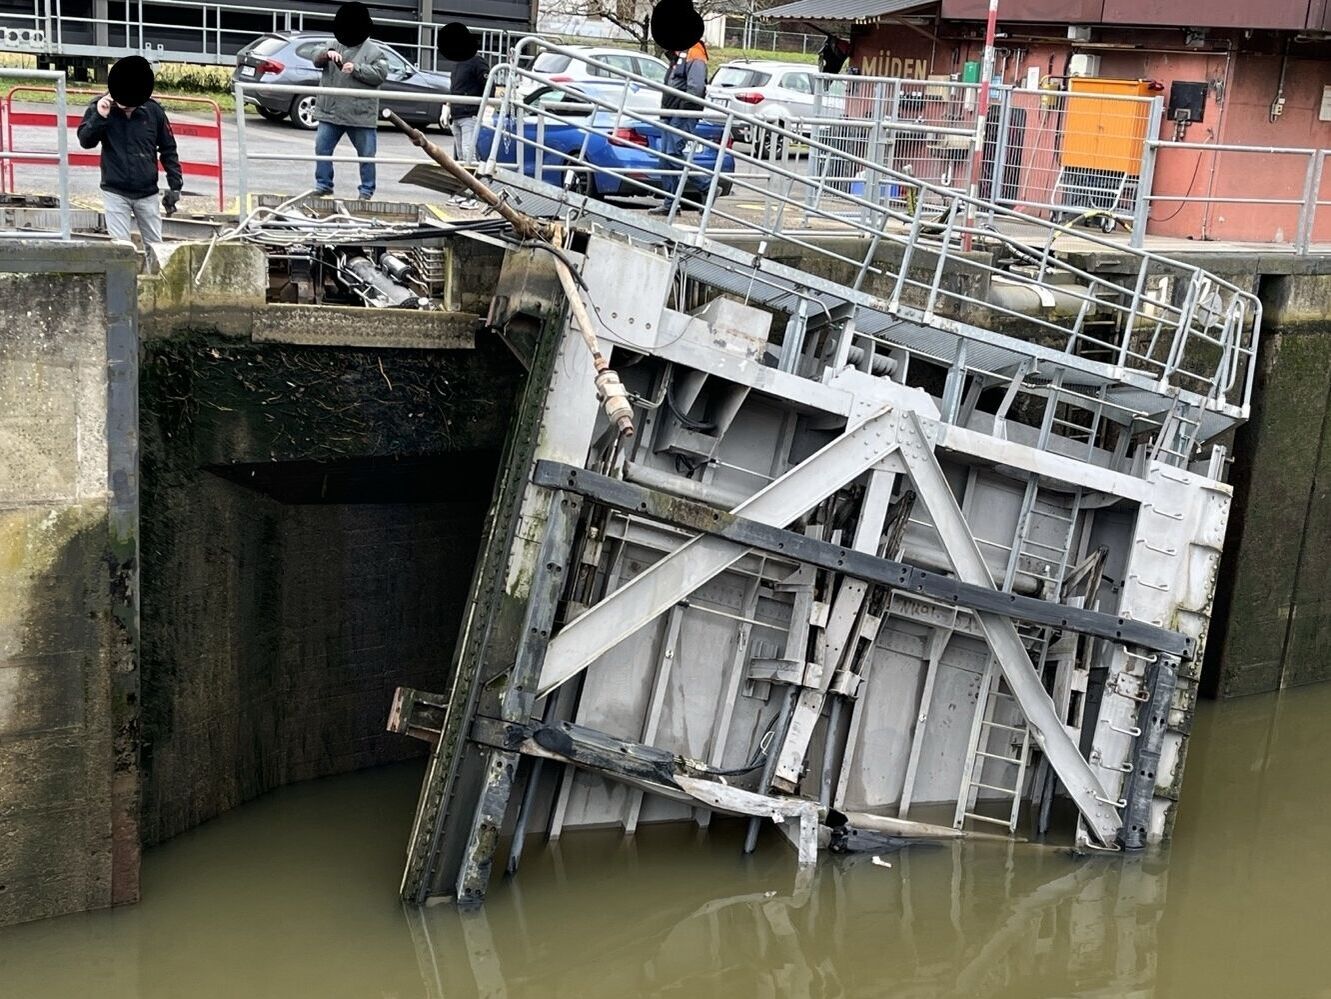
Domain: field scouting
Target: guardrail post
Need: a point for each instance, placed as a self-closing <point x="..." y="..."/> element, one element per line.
<point x="1141" y="211"/>
<point x="873" y="182"/>
<point x="62" y="150"/>
<point x="1312" y="182"/>
<point x="716" y="174"/>
<point x="819" y="163"/>
<point x="242" y="167"/>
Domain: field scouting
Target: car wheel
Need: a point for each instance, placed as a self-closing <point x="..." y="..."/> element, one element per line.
<point x="302" y="112"/>
<point x="270" y="114"/>
<point x="770" y="144"/>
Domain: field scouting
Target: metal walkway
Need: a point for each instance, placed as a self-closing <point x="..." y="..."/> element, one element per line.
<point x="945" y="287"/>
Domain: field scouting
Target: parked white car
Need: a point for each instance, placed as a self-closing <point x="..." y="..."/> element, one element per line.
<point x="779" y="92"/>
<point x="560" y="68"/>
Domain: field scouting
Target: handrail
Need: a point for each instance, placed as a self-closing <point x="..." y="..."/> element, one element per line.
<point x="243" y="154"/>
<point x="133" y="25"/>
<point x="61" y="157"/>
<point x="1135" y="314"/>
<point x="182" y="128"/>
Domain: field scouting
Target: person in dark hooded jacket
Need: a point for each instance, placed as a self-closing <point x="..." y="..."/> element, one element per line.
<point x="678" y="29"/>
<point x="357" y="62"/>
<point x="134" y="134"/>
<point x="459" y="45"/>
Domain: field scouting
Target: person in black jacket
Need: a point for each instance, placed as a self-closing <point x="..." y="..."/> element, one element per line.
<point x="459" y="45"/>
<point x="134" y="133"/>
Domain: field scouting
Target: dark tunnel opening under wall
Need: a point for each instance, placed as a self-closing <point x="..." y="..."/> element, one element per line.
<point x="306" y="548"/>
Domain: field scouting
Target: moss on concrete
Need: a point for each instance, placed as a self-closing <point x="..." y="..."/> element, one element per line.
<point x="1277" y="461"/>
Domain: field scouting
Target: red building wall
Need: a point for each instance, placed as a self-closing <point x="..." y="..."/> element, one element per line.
<point x="1242" y="83"/>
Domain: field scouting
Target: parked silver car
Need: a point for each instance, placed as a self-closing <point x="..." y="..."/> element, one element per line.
<point x="287" y="57"/>
<point x="779" y="92"/>
<point x="557" y="67"/>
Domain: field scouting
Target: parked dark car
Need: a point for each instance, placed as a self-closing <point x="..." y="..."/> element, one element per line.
<point x="287" y="58"/>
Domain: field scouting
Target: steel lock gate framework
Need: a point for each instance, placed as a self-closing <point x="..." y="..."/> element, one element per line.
<point x="865" y="554"/>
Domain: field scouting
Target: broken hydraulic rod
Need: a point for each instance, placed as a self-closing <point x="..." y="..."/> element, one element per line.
<point x="609" y="389"/>
<point x="523" y="224"/>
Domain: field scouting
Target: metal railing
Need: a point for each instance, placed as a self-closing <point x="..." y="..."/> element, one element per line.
<point x="749" y="34"/>
<point x="1174" y="322"/>
<point x="60" y="157"/>
<point x="185" y="132"/>
<point x="1047" y="153"/>
<point x="1259" y="194"/>
<point x="210" y="33"/>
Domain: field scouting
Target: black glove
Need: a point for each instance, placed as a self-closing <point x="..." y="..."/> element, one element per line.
<point x="169" y="201"/>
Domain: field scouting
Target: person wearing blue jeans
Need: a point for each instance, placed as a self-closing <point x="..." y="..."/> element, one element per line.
<point x="674" y="146"/>
<point x="364" y="139"/>
<point x="353" y="62"/>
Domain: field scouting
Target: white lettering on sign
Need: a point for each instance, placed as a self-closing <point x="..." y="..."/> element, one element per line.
<point x="886" y="64"/>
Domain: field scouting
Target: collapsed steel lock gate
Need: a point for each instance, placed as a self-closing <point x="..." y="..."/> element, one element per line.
<point x="884" y="558"/>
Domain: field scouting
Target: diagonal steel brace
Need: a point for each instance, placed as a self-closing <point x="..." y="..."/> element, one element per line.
<point x="690" y="566"/>
<point x="1073" y="770"/>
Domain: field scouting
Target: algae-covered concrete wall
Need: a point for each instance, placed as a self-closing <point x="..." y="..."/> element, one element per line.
<point x="311" y="515"/>
<point x="69" y="777"/>
<point x="1273" y="609"/>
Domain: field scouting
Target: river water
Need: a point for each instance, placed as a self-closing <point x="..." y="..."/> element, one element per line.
<point x="293" y="895"/>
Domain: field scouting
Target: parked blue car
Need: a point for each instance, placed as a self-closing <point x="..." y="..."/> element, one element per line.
<point x="618" y="154"/>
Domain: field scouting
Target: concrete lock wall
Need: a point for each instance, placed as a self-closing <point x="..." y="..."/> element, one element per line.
<point x="69" y="780"/>
<point x="312" y="508"/>
<point x="1273" y="606"/>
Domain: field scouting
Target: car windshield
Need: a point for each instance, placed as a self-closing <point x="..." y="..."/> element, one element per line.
<point x="739" y="76"/>
<point x="565" y="103"/>
<point x="550" y="62"/>
<point x="267" y="46"/>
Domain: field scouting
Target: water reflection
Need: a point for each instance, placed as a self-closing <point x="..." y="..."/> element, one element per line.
<point x="292" y="896"/>
<point x="960" y="919"/>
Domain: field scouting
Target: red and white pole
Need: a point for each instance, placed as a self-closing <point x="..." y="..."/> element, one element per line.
<point x="981" y="118"/>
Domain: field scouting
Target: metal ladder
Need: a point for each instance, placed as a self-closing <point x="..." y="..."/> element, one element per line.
<point x="1178" y="435"/>
<point x="983" y="728"/>
<point x="1053" y="562"/>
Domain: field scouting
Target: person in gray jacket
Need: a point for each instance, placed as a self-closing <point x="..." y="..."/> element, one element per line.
<point x="357" y="62"/>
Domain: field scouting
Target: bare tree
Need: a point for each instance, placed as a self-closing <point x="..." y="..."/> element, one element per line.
<point x="634" y="16"/>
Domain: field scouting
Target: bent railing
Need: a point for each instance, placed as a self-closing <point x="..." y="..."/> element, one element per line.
<point x="1180" y="325"/>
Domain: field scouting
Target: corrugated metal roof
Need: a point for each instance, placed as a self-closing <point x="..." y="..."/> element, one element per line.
<point x="842" y="10"/>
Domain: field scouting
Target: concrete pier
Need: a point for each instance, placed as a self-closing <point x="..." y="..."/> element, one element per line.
<point x="69" y="572"/>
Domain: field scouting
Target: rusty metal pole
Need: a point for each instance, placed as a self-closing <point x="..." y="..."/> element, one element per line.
<point x="609" y="389"/>
<point x="524" y="225"/>
<point x="981" y="118"/>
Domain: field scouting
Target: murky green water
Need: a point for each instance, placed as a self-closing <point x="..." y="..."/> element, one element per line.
<point x="294" y="896"/>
